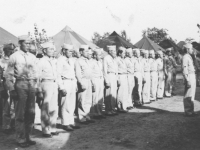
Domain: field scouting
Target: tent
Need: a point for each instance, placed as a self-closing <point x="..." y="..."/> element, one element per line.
<point x="167" y="43"/>
<point x="68" y="36"/>
<point x="146" y="43"/>
<point x="114" y="39"/>
<point x="181" y="43"/>
<point x="6" y="37"/>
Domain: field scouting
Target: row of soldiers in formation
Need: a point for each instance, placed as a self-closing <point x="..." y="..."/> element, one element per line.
<point x="122" y="80"/>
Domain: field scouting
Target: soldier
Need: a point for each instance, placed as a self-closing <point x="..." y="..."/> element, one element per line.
<point x="110" y="71"/>
<point x="161" y="75"/>
<point x="190" y="80"/>
<point x="49" y="82"/>
<point x="131" y="81"/>
<point x="22" y="67"/>
<point x="99" y="84"/>
<point x="170" y="66"/>
<point x="122" y="94"/>
<point x="8" y="103"/>
<point x="139" y="78"/>
<point x="146" y="86"/>
<point x="84" y="77"/>
<point x="66" y="69"/>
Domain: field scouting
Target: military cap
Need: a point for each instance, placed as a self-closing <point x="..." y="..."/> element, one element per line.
<point x="187" y="45"/>
<point x="111" y="48"/>
<point x="160" y="52"/>
<point x="67" y="46"/>
<point x="84" y="47"/>
<point x="90" y="51"/>
<point x="151" y="52"/>
<point x="24" y="38"/>
<point x="9" y="47"/>
<point x="129" y="50"/>
<point x="48" y="45"/>
<point x="168" y="49"/>
<point x="146" y="51"/>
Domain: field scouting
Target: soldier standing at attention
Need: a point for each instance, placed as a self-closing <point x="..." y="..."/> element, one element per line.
<point x="49" y="82"/>
<point x="161" y="75"/>
<point x="22" y="67"/>
<point x="131" y="81"/>
<point x="153" y="75"/>
<point x="8" y="102"/>
<point x="83" y="73"/>
<point x="110" y="72"/>
<point x="66" y="69"/>
<point x="190" y="80"/>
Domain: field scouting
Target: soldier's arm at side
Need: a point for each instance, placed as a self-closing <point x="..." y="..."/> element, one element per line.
<point x="59" y="68"/>
<point x="105" y="69"/>
<point x="78" y="72"/>
<point x="185" y="68"/>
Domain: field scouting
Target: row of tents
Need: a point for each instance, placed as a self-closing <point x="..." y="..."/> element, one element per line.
<point x="67" y="35"/>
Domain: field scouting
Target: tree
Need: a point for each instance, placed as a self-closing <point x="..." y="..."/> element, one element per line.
<point x="124" y="35"/>
<point x="96" y="38"/>
<point x="155" y="34"/>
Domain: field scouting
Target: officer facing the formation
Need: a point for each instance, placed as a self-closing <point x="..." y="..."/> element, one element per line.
<point x="153" y="75"/>
<point x="110" y="71"/>
<point x="66" y="69"/>
<point x="131" y="81"/>
<point x="84" y="77"/>
<point x="161" y="75"/>
<point x="8" y="103"/>
<point x="146" y="85"/>
<point x="190" y="80"/>
<point x="49" y="80"/>
<point x="98" y="97"/>
<point x="139" y="78"/>
<point x="22" y="67"/>
<point x="122" y="94"/>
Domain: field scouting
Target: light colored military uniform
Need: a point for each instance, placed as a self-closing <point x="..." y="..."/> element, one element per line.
<point x="161" y="78"/>
<point x="138" y="74"/>
<point x="66" y="69"/>
<point x="97" y="97"/>
<point x="49" y="81"/>
<point x="189" y="75"/>
<point x="131" y="81"/>
<point x="83" y="72"/>
<point x="153" y="78"/>
<point x="22" y="67"/>
<point x="122" y="94"/>
<point x="146" y="85"/>
<point x="110" y="71"/>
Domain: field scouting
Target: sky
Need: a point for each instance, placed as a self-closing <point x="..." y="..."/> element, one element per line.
<point x="179" y="17"/>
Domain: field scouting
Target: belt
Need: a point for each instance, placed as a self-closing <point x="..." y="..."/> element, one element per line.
<point x="63" y="78"/>
<point x="23" y="79"/>
<point x="153" y="71"/>
<point x="122" y="73"/>
<point x="48" y="80"/>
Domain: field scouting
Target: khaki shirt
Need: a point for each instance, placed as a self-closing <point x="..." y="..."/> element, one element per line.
<point x="47" y="69"/>
<point x="160" y="64"/>
<point x="130" y="65"/>
<point x="122" y="68"/>
<point x="21" y="66"/>
<point x="97" y="69"/>
<point x="146" y="65"/>
<point x="109" y="66"/>
<point x="83" y="69"/>
<point x="188" y="66"/>
<point x="153" y="65"/>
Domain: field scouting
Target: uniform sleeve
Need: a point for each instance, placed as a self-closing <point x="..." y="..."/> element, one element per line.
<point x="9" y="73"/>
<point x="185" y="68"/>
<point x="78" y="71"/>
<point x="39" y="71"/>
<point x="59" y="73"/>
<point x="105" y="70"/>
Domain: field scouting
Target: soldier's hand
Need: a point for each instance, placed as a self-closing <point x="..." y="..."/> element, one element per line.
<point x="93" y="88"/>
<point x="40" y="95"/>
<point x="83" y="87"/>
<point x="63" y="92"/>
<point x="107" y="85"/>
<point x="118" y="83"/>
<point x="188" y="84"/>
<point x="144" y="80"/>
<point x="13" y="94"/>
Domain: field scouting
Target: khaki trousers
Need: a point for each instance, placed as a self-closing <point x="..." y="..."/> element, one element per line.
<point x="146" y="88"/>
<point x="161" y="84"/>
<point x="131" y="84"/>
<point x="137" y="91"/>
<point x="122" y="94"/>
<point x="25" y="109"/>
<point x="169" y="84"/>
<point x="111" y="93"/>
<point x="97" y="97"/>
<point x="153" y="85"/>
<point x="49" y="109"/>
<point x="189" y="95"/>
<point x="68" y="103"/>
<point x="85" y="101"/>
